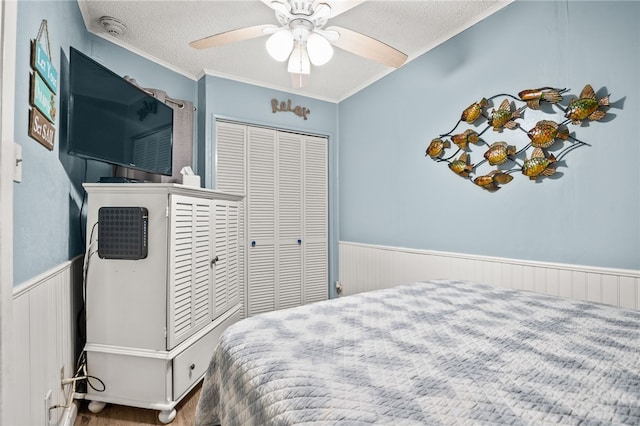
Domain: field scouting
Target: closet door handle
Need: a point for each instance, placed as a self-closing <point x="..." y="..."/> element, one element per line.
<point x="253" y="243"/>
<point x="214" y="260"/>
<point x="299" y="242"/>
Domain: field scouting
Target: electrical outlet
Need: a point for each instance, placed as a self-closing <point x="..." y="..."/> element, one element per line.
<point x="47" y="405"/>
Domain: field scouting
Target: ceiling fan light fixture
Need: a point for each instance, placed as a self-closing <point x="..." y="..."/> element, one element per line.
<point x="299" y="61"/>
<point x="319" y="48"/>
<point x="279" y="45"/>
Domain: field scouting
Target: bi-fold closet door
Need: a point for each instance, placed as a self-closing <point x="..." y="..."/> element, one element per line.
<point x="284" y="241"/>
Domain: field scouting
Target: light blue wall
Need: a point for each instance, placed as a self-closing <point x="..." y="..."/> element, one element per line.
<point x="48" y="200"/>
<point x="391" y="194"/>
<point x="250" y="104"/>
<point x="46" y="204"/>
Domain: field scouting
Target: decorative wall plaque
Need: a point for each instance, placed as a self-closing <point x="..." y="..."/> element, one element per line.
<point x="40" y="62"/>
<point x="41" y="129"/>
<point x="42" y="97"/>
<point x="548" y="141"/>
<point x="42" y="93"/>
<point x="283" y="106"/>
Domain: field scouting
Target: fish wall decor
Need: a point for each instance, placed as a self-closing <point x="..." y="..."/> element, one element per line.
<point x="534" y="158"/>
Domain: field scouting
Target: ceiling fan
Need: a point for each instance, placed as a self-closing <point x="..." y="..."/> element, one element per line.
<point x="303" y="39"/>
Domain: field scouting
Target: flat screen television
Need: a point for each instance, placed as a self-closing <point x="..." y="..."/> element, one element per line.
<point x="113" y="121"/>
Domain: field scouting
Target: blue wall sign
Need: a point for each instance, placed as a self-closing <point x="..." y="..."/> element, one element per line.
<point x="42" y="64"/>
<point x="42" y="97"/>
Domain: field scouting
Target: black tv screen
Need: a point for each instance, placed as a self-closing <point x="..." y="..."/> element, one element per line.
<point x="113" y="121"/>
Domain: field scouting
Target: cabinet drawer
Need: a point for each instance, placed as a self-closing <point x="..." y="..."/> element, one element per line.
<point x="191" y="364"/>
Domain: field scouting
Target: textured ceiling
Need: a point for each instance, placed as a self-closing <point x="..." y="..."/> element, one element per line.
<point x="161" y="31"/>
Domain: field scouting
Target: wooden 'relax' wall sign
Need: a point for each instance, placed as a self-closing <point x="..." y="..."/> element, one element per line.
<point x="286" y="107"/>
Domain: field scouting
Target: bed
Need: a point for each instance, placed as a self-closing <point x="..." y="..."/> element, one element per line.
<point x="437" y="352"/>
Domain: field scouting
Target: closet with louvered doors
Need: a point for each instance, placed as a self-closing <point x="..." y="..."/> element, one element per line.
<point x="284" y="219"/>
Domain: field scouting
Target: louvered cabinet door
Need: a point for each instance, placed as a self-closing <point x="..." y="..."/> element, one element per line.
<point x="316" y="234"/>
<point x="261" y="232"/>
<point x="289" y="192"/>
<point x="189" y="294"/>
<point x="225" y="256"/>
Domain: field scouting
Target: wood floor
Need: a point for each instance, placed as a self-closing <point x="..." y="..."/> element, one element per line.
<point x="119" y="415"/>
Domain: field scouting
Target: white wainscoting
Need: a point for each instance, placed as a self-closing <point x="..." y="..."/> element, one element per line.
<point x="44" y="330"/>
<point x="366" y="267"/>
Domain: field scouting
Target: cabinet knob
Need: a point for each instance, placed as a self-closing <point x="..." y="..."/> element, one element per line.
<point x="214" y="260"/>
<point x="192" y="367"/>
<point x="299" y="242"/>
<point x="253" y="243"/>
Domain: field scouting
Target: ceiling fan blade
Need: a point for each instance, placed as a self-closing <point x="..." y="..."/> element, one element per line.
<point x="329" y="35"/>
<point x="341" y="6"/>
<point x="367" y="47"/>
<point x="233" y="36"/>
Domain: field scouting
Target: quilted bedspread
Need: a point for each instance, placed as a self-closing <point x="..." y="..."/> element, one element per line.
<point x="433" y="353"/>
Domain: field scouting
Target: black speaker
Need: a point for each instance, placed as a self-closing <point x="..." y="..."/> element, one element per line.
<point x="122" y="232"/>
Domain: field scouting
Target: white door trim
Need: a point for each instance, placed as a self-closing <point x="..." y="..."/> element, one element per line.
<point x="8" y="28"/>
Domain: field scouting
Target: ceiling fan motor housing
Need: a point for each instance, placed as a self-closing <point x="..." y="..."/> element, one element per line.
<point x="301" y="28"/>
<point x="303" y="7"/>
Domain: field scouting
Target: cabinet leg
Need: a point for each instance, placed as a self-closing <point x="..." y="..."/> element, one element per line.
<point x="167" y="416"/>
<point x="96" y="406"/>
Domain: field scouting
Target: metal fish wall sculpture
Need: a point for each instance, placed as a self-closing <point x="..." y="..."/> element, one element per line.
<point x="545" y="136"/>
<point x="586" y="106"/>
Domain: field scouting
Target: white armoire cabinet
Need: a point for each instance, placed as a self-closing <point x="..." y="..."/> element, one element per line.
<point x="152" y="323"/>
<point x="284" y="216"/>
